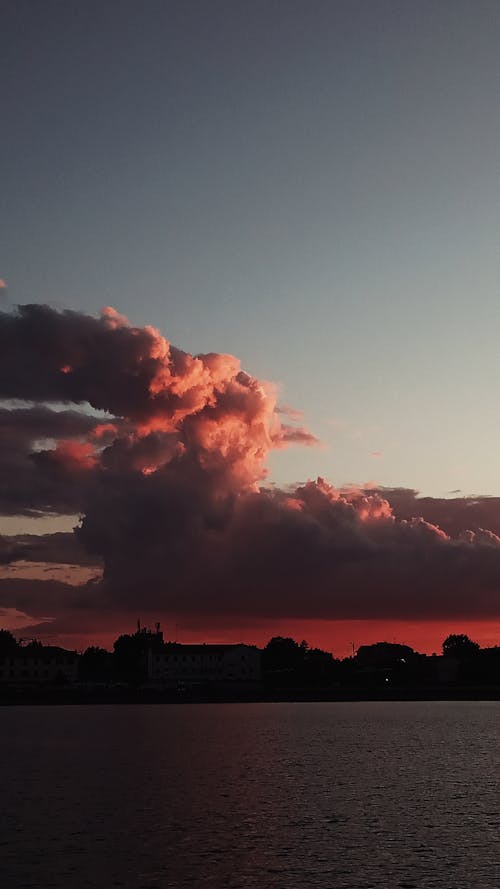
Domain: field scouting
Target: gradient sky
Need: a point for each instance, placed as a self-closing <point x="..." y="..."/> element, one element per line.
<point x="311" y="186"/>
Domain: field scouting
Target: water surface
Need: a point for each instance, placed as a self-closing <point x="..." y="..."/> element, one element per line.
<point x="327" y="795"/>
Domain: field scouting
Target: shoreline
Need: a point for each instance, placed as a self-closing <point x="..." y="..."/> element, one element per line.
<point x="62" y="697"/>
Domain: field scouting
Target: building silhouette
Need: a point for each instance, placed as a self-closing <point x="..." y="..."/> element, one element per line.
<point x="191" y="665"/>
<point x="37" y="663"/>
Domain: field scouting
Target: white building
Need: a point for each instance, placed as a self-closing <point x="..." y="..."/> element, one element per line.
<point x="39" y="664"/>
<point x="178" y="664"/>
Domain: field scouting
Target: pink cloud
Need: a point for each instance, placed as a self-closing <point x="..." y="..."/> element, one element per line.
<point x="171" y="489"/>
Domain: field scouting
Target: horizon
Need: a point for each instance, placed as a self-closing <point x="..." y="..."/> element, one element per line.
<point x="26" y="641"/>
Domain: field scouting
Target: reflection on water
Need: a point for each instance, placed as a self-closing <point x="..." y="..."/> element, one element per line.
<point x="262" y="795"/>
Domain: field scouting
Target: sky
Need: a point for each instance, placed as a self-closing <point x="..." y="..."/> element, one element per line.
<point x="311" y="187"/>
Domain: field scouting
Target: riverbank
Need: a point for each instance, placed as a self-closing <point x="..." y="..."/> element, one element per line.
<point x="142" y="695"/>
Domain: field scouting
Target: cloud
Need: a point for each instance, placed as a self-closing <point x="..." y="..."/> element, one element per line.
<point x="454" y="514"/>
<point x="14" y="620"/>
<point x="31" y="481"/>
<point x="60" y="547"/>
<point x="42" y="599"/>
<point x="171" y="483"/>
<point x="75" y="575"/>
<point x="313" y="552"/>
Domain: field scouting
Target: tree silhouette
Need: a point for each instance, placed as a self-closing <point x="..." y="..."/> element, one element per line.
<point x="283" y="653"/>
<point x="459" y="645"/>
<point x="96" y="665"/>
<point x="8" y="644"/>
<point x="287" y="662"/>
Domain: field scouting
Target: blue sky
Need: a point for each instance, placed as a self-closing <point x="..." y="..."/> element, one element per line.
<point x="312" y="186"/>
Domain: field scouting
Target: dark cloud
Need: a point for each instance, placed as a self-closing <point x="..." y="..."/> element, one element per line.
<point x="70" y="357"/>
<point x="43" y="599"/>
<point x="454" y="515"/>
<point x="29" y="484"/>
<point x="310" y="553"/>
<point x="29" y="424"/>
<point x="62" y="547"/>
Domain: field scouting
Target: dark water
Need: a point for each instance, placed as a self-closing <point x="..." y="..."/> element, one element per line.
<point x="263" y="795"/>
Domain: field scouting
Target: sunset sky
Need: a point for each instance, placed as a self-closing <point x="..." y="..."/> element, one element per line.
<point x="314" y="189"/>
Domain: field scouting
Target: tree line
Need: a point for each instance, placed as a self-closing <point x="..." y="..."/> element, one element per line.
<point x="287" y="663"/>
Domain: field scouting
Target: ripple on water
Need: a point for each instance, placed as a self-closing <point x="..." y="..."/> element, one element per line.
<point x="264" y="796"/>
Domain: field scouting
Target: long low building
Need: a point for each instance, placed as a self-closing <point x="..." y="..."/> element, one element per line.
<point x="39" y="664"/>
<point x="201" y="664"/>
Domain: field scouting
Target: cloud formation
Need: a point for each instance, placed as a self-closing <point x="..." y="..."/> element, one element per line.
<point x="455" y="515"/>
<point x="164" y="456"/>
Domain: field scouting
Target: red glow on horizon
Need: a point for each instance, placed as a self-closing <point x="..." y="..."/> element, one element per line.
<point x="338" y="637"/>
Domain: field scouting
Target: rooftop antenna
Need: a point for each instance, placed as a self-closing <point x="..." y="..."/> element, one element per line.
<point x="138" y="625"/>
